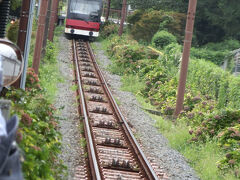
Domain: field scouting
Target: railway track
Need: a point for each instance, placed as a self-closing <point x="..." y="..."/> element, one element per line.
<point x="113" y="152"/>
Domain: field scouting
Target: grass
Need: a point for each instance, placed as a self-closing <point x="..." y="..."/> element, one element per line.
<point x="49" y="78"/>
<point x="74" y="87"/>
<point x="131" y="83"/>
<point x="117" y="100"/>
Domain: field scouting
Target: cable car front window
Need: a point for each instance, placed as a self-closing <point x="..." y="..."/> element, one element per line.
<point x="84" y="7"/>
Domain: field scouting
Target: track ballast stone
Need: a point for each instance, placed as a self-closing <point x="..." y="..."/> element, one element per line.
<point x="72" y="153"/>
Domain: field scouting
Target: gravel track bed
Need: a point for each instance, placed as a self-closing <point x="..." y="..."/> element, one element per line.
<point x="154" y="144"/>
<point x="72" y="154"/>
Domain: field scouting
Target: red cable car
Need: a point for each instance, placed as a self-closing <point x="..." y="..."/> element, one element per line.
<point x="84" y="17"/>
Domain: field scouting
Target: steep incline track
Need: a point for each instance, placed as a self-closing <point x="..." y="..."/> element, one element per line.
<point x="113" y="152"/>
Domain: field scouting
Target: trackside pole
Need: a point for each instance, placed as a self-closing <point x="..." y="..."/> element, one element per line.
<point x="40" y="34"/>
<point x="52" y="20"/>
<point x="45" y="37"/>
<point x="22" y="32"/>
<point x="124" y="8"/>
<point x="27" y="45"/>
<point x="108" y="9"/>
<point x="23" y="23"/>
<point x="185" y="57"/>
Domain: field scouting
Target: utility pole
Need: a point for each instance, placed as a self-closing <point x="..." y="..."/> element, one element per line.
<point x="40" y="34"/>
<point x="23" y="23"/>
<point x="57" y="11"/>
<point x="52" y="20"/>
<point x="185" y="57"/>
<point x="108" y="9"/>
<point x="22" y="32"/>
<point x="46" y="28"/>
<point x="124" y="8"/>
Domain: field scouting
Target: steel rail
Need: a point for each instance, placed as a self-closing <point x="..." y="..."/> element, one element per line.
<point x="94" y="162"/>
<point x="142" y="158"/>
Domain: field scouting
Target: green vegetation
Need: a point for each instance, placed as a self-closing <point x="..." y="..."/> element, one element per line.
<point x="145" y="23"/>
<point x="162" y="39"/>
<point x="12" y="31"/>
<point x="216" y="20"/>
<point x="15" y="4"/>
<point x="108" y="29"/>
<point x="38" y="135"/>
<point x="209" y="123"/>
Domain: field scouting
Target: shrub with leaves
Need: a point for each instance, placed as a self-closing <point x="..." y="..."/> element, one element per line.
<point x="50" y="52"/>
<point x="32" y="81"/>
<point x="162" y="39"/>
<point x="109" y="29"/>
<point x="174" y="23"/>
<point x="211" y="124"/>
<point x="228" y="44"/>
<point x="127" y="52"/>
<point x="144" y="24"/>
<point x="12" y="33"/>
<point x="135" y="16"/>
<point x="147" y="26"/>
<point x="217" y="57"/>
<point x="211" y="102"/>
<point x="229" y="140"/>
<point x="38" y="135"/>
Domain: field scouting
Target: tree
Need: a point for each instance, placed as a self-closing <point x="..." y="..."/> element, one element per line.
<point x="15" y="4"/>
<point x="145" y="4"/>
<point x="224" y="13"/>
<point x="15" y="7"/>
<point x="215" y="19"/>
<point x="116" y="4"/>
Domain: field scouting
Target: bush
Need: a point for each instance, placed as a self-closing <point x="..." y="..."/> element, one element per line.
<point x="208" y="92"/>
<point x="216" y="52"/>
<point x="217" y="57"/>
<point x="229" y="140"/>
<point x="109" y="29"/>
<point x="12" y="33"/>
<point x="135" y="16"/>
<point x="127" y="52"/>
<point x="50" y="55"/>
<point x="206" y="77"/>
<point x="147" y="25"/>
<point x="230" y="45"/>
<point x="174" y="23"/>
<point x="144" y="24"/>
<point x="37" y="135"/>
<point x="233" y="92"/>
<point x="162" y="39"/>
